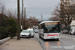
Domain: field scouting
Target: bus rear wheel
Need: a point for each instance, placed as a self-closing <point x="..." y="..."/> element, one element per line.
<point x="57" y="39"/>
<point x="39" y="36"/>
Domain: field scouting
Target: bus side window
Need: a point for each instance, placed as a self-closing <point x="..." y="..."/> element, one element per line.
<point x="39" y="27"/>
<point x="42" y="26"/>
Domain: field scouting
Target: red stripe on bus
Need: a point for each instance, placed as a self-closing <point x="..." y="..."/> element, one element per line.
<point x="53" y="35"/>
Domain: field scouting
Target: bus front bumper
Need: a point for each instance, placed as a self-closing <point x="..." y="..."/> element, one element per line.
<point x="52" y="37"/>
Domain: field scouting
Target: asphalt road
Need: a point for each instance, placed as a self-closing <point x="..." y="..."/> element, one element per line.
<point x="66" y="42"/>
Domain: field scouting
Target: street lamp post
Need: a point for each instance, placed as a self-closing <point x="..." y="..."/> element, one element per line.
<point x="18" y="15"/>
<point x="42" y="17"/>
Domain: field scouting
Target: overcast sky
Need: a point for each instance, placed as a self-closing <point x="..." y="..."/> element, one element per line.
<point x="34" y="7"/>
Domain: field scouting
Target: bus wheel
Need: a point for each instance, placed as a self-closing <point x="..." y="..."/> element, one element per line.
<point x="39" y="36"/>
<point x="44" y="39"/>
<point x="32" y="36"/>
<point x="57" y="39"/>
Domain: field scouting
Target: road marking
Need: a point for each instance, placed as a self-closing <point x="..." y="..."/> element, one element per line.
<point x="65" y="47"/>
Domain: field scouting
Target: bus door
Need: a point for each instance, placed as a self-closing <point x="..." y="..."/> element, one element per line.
<point x="42" y="33"/>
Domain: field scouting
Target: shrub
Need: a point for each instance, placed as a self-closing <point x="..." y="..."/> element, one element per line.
<point x="3" y="28"/>
<point x="3" y="32"/>
<point x="12" y="29"/>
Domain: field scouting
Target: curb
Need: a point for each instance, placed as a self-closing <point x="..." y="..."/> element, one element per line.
<point x="4" y="40"/>
<point x="40" y="43"/>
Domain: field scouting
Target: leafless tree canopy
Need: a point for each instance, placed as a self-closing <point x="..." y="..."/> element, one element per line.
<point x="32" y="21"/>
<point x="56" y="11"/>
<point x="2" y="9"/>
<point x="65" y="14"/>
<point x="27" y="22"/>
<point x="54" y="19"/>
<point x="56" y="14"/>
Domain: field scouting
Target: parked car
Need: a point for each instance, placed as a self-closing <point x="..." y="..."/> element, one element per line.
<point x="65" y="31"/>
<point x="36" y="30"/>
<point x="32" y="32"/>
<point x="73" y="31"/>
<point x="25" y="33"/>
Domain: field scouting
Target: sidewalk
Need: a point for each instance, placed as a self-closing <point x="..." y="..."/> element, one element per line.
<point x="22" y="44"/>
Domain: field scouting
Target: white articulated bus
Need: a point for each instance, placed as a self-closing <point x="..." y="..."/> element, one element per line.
<point x="49" y="30"/>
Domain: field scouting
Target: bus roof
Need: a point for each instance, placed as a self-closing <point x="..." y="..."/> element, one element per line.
<point x="47" y="22"/>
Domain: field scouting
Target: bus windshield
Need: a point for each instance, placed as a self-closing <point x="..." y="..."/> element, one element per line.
<point x="51" y="28"/>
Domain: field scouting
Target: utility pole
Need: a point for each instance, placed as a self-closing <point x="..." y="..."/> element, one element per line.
<point x="42" y="17"/>
<point x="18" y="12"/>
<point x="22" y="14"/>
<point x="68" y="24"/>
<point x="24" y="17"/>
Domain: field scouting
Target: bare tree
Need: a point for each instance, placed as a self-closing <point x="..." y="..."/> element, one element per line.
<point x="56" y="11"/>
<point x="32" y="21"/>
<point x="9" y="13"/>
<point x="54" y="19"/>
<point x="2" y="9"/>
<point x="66" y="15"/>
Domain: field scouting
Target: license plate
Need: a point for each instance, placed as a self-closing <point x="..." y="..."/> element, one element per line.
<point x="52" y="38"/>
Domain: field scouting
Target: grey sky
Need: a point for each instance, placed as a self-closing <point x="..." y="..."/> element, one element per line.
<point x="34" y="7"/>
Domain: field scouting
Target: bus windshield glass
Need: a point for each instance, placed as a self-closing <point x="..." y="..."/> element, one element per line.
<point x="51" y="27"/>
